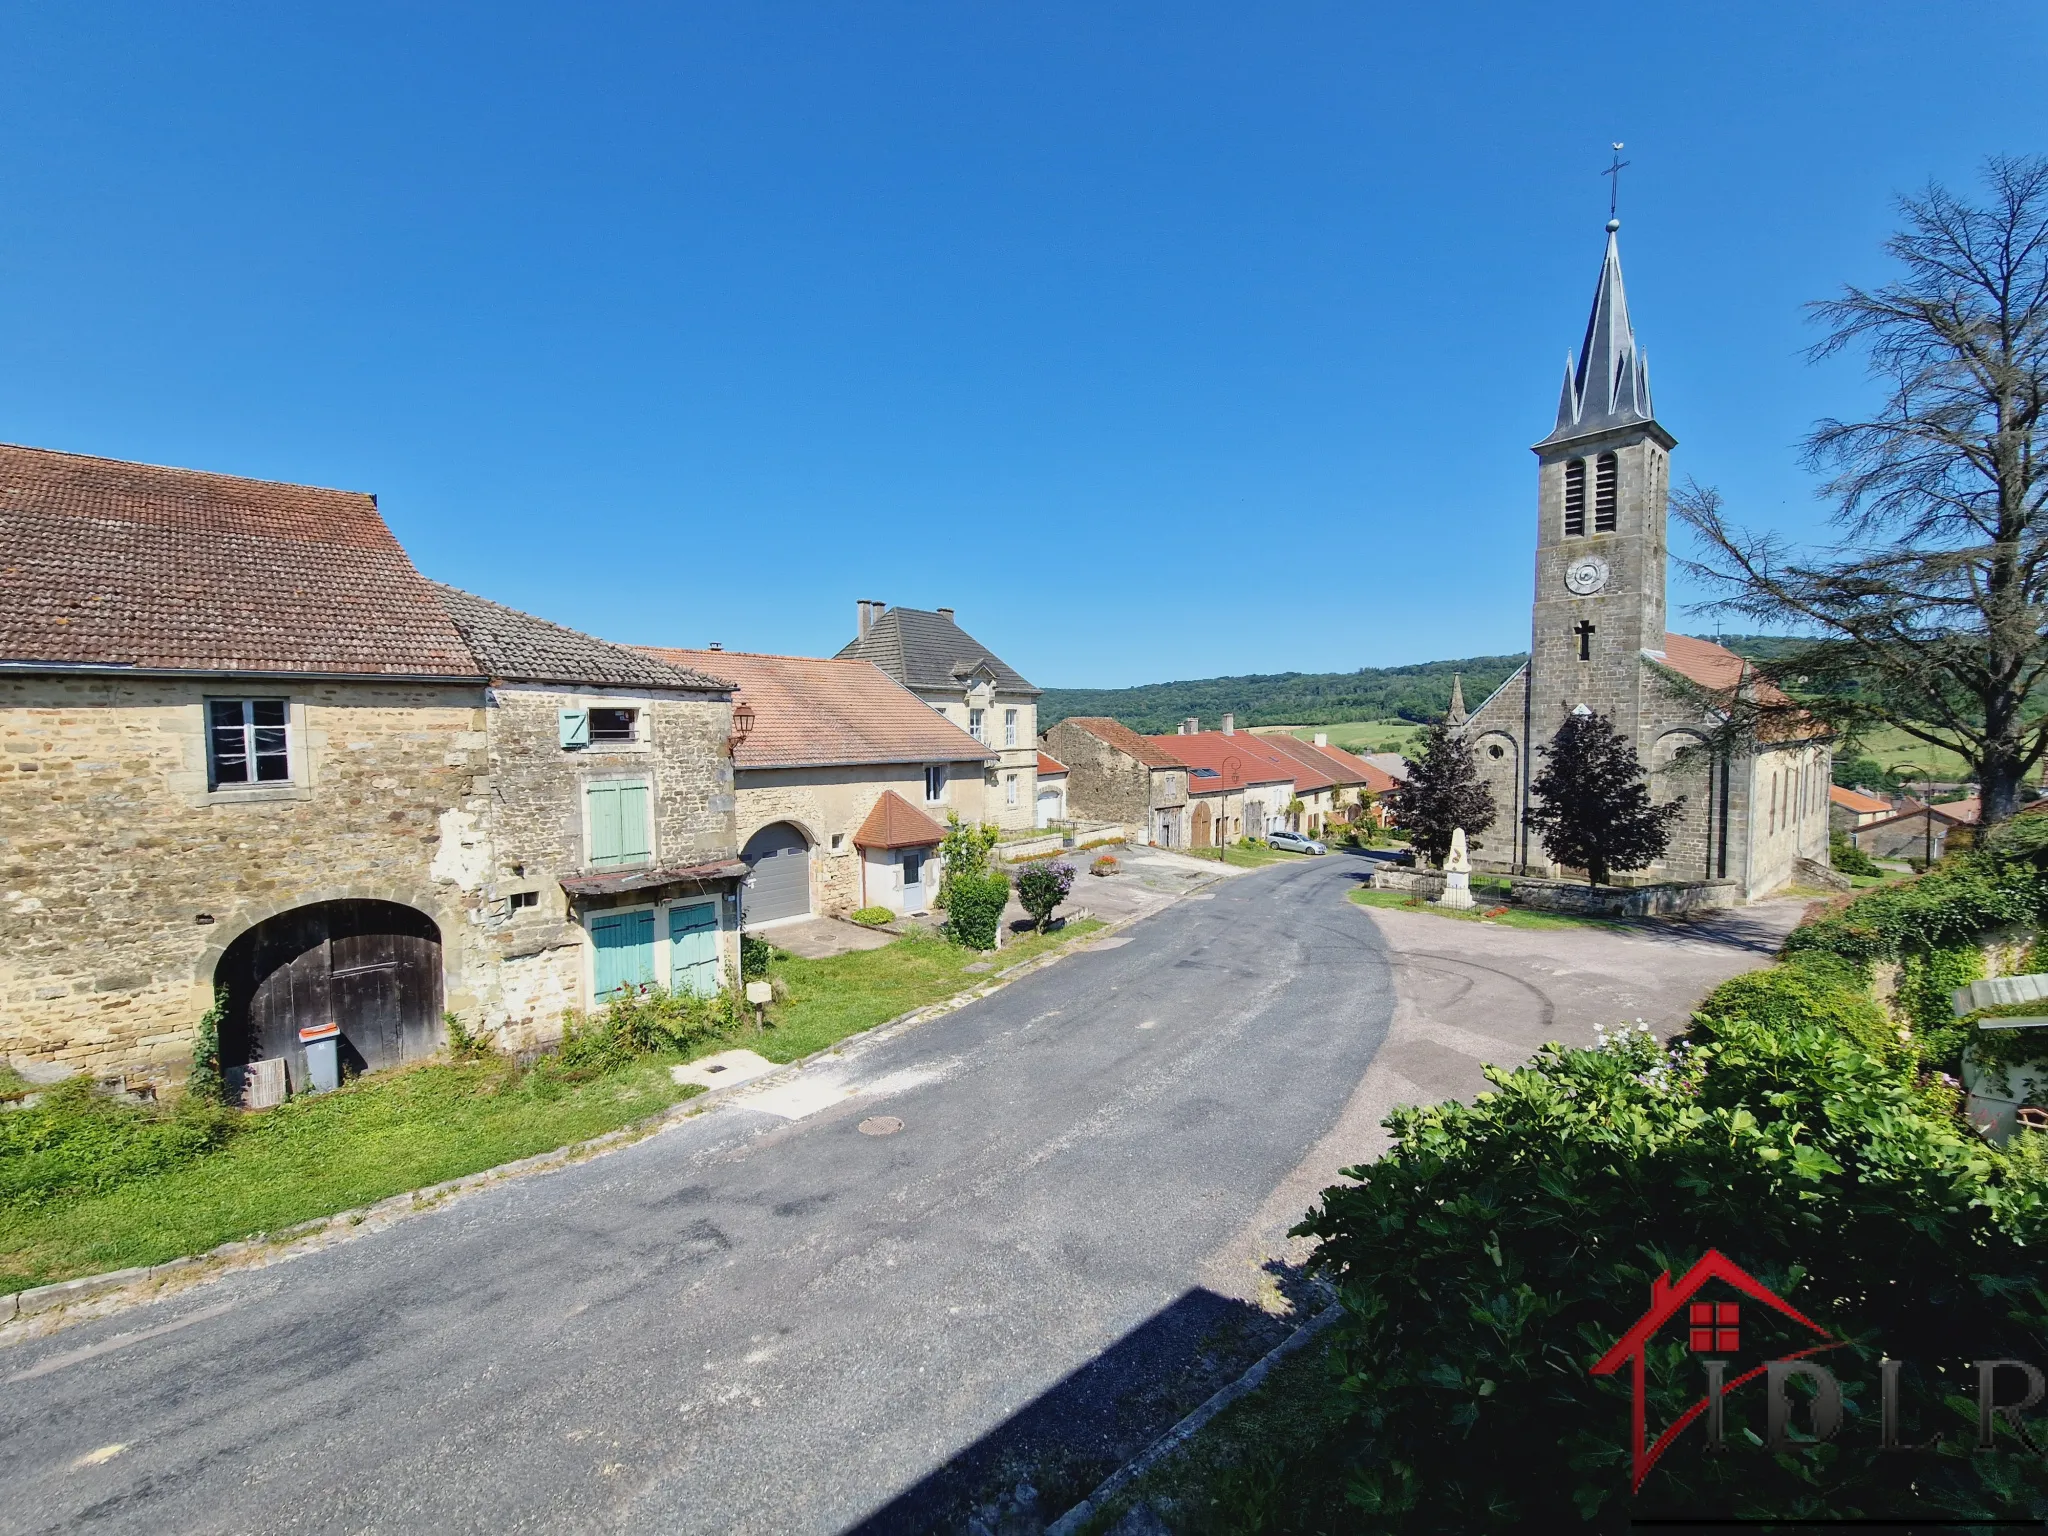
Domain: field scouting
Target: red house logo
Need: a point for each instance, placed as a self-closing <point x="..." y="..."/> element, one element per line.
<point x="1712" y="1328"/>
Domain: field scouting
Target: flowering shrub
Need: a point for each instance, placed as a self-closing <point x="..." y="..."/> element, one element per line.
<point x="1042" y="887"/>
<point x="1106" y="865"/>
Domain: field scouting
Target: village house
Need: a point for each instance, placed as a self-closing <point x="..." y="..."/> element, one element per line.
<point x="249" y="748"/>
<point x="1052" y="790"/>
<point x="1236" y="787"/>
<point x="1116" y="775"/>
<point x="932" y="656"/>
<point x="1915" y="831"/>
<point x="817" y="744"/>
<point x="1849" y="809"/>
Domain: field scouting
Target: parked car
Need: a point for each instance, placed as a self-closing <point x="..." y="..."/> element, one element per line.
<point x="1293" y="842"/>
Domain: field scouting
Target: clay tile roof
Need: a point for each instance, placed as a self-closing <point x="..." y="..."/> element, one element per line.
<point x="813" y="712"/>
<point x="1146" y="749"/>
<point x="896" y="823"/>
<point x="1237" y="760"/>
<point x="1855" y="800"/>
<point x="1721" y="670"/>
<point x="1313" y="769"/>
<point x="1050" y="766"/>
<point x="1353" y="769"/>
<point x="922" y="649"/>
<point x="517" y="647"/>
<point x="109" y="563"/>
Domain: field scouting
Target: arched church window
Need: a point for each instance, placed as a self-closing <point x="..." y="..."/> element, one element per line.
<point x="1575" y="499"/>
<point x="1606" y="493"/>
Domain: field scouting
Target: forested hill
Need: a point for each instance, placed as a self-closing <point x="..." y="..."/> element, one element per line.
<point x="1419" y="692"/>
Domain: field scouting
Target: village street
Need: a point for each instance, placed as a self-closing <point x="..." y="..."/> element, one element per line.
<point x="760" y="1323"/>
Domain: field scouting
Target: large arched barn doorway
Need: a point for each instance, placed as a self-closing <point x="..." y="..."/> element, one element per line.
<point x="779" y="885"/>
<point x="373" y="967"/>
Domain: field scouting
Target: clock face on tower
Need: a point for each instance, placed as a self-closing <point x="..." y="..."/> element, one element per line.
<point x="1585" y="575"/>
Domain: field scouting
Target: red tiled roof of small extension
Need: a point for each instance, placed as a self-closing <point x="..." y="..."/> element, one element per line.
<point x="1720" y="670"/>
<point x="814" y="712"/>
<point x="1050" y="767"/>
<point x="1855" y="800"/>
<point x="105" y="563"/>
<point x="896" y="823"/>
<point x="1115" y="733"/>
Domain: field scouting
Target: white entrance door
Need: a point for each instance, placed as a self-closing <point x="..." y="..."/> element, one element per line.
<point x="913" y="882"/>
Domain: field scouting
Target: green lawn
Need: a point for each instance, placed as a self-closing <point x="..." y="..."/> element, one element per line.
<point x="1510" y="917"/>
<point x="105" y="1185"/>
<point x="1244" y="858"/>
<point x="1893" y="748"/>
<point x="88" y="1183"/>
<point x="831" y="999"/>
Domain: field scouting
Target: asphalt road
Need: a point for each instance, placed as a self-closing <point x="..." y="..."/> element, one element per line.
<point x="753" y="1323"/>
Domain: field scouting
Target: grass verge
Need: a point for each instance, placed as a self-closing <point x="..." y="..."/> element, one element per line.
<point x="1497" y="915"/>
<point x="89" y="1184"/>
<point x="831" y="999"/>
<point x="1244" y="858"/>
<point x="1272" y="1461"/>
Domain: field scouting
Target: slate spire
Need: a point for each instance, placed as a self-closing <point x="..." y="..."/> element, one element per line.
<point x="1610" y="386"/>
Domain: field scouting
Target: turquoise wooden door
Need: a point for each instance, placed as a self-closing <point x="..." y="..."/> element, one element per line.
<point x="625" y="951"/>
<point x="693" y="949"/>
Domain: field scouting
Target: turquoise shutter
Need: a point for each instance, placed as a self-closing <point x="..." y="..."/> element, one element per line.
<point x="575" y="724"/>
<point x="693" y="949"/>
<point x="618" y="825"/>
<point x="625" y="951"/>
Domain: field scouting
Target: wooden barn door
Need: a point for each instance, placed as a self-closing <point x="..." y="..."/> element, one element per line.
<point x="373" y="967"/>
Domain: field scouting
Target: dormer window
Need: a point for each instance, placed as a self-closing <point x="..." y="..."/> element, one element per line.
<point x="614" y="725"/>
<point x="1606" y="492"/>
<point x="1575" y="499"/>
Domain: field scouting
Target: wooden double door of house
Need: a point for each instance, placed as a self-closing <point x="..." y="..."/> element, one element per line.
<point x="372" y="967"/>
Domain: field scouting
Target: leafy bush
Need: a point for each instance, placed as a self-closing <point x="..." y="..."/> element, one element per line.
<point x="204" y="1082"/>
<point x="77" y="1141"/>
<point x="975" y="912"/>
<point x="1042" y="887"/>
<point x="1501" y="1247"/>
<point x="874" y="917"/>
<point x="963" y="855"/>
<point x="463" y="1045"/>
<point x="1945" y="909"/>
<point x="754" y="955"/>
<point x="1848" y="859"/>
<point x="636" y="1024"/>
<point x="1810" y="988"/>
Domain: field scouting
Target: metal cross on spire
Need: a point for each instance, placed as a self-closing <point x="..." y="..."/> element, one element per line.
<point x="1614" y="187"/>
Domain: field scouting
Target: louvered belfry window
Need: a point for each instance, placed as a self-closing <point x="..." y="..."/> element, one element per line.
<point x="1606" y="492"/>
<point x="1575" y="499"/>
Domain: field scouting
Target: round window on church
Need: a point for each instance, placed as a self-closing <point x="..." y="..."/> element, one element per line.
<point x="1496" y="750"/>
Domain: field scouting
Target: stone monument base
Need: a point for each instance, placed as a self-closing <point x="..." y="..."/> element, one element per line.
<point x="1457" y="891"/>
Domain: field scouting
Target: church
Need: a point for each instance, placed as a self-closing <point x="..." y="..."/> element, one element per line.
<point x="1597" y="642"/>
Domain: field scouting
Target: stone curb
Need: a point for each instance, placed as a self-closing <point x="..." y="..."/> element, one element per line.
<point x="146" y="1282"/>
<point x="1178" y="1436"/>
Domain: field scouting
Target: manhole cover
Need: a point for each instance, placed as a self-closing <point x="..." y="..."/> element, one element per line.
<point x="880" y="1125"/>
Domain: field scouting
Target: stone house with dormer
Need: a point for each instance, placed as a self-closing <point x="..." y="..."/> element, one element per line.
<point x="245" y="745"/>
<point x="931" y="655"/>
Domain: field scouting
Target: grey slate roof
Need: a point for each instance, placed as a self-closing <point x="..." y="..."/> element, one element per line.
<point x="517" y="647"/>
<point x="928" y="650"/>
<point x="1611" y="385"/>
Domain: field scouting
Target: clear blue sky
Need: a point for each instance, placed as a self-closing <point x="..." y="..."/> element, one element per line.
<point x="691" y="323"/>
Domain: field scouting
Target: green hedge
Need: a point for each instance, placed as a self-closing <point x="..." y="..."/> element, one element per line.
<point x="974" y="908"/>
<point x="1810" y="988"/>
<point x="1492" y="1256"/>
<point x="1943" y="910"/>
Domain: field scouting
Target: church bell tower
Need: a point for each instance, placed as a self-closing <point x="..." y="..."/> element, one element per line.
<point x="1603" y="475"/>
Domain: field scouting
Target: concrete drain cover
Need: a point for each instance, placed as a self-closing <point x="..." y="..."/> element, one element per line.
<point x="880" y="1125"/>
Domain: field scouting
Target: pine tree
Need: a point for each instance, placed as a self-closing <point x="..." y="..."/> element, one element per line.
<point x="1441" y="793"/>
<point x="1592" y="808"/>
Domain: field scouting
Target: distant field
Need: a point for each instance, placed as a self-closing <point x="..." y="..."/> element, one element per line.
<point x="1357" y="735"/>
<point x="1892" y="748"/>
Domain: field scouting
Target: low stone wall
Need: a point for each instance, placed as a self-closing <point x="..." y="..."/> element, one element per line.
<point x="1661" y="899"/>
<point x="1085" y="832"/>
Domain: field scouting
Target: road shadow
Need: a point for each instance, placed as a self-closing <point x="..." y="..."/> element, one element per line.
<point x="1053" y="1452"/>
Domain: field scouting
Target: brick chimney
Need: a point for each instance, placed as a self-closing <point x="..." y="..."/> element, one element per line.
<point x="869" y="609"/>
<point x="1191" y="726"/>
<point x="1230" y="725"/>
<point x="1322" y="738"/>
<point x="946" y="614"/>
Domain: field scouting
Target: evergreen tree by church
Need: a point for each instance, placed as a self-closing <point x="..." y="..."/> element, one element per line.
<point x="1442" y="793"/>
<point x="1593" y="810"/>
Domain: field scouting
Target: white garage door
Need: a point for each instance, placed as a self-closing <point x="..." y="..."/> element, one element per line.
<point x="780" y="882"/>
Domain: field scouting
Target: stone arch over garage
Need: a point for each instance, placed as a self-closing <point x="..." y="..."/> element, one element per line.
<point x="371" y="966"/>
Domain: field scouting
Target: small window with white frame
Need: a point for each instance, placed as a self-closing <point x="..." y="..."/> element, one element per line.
<point x="248" y="742"/>
<point x="934" y="783"/>
<point x="1009" y="727"/>
<point x="1010" y="788"/>
<point x="974" y="727"/>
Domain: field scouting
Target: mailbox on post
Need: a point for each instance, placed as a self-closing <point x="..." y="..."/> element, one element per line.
<point x="323" y="1056"/>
